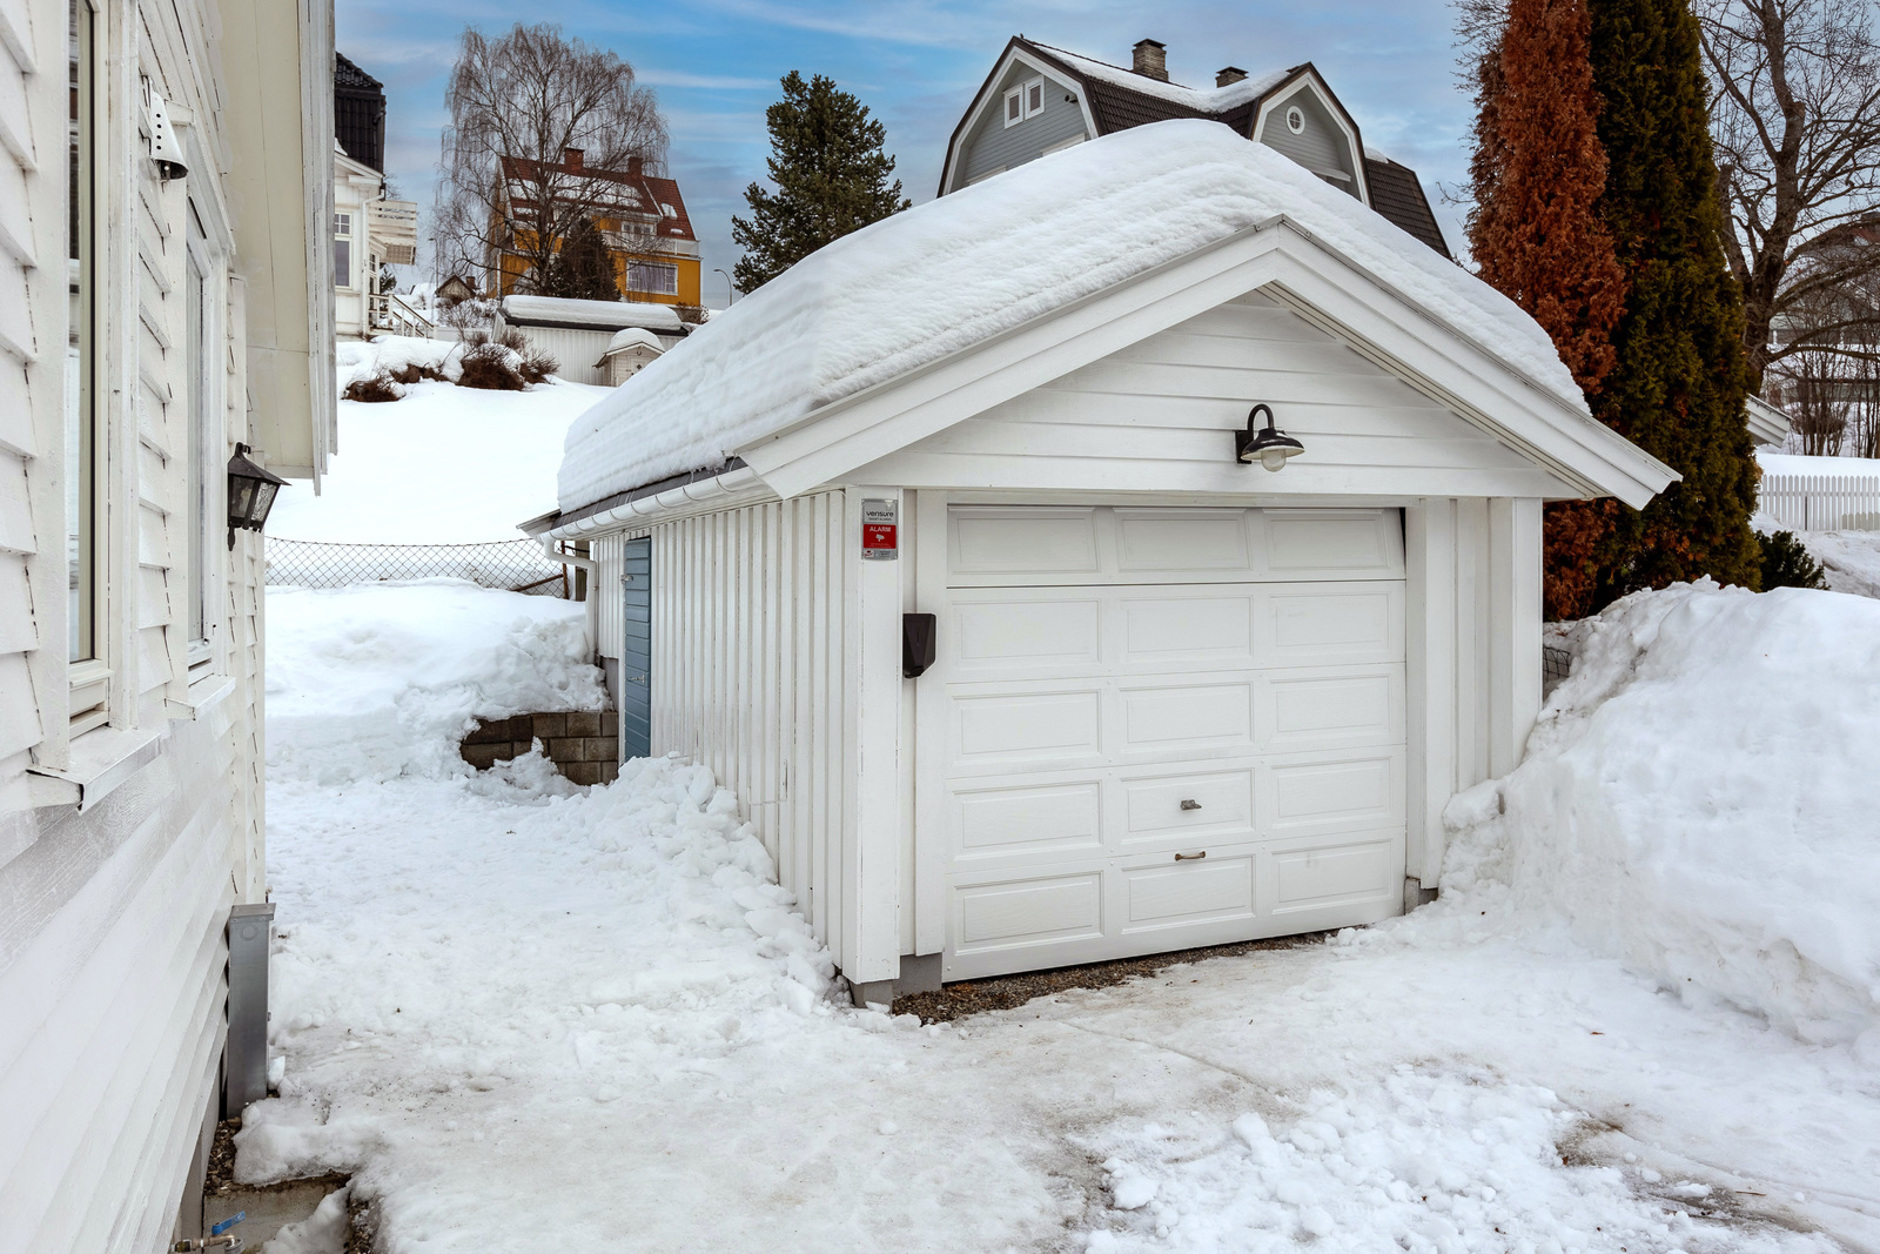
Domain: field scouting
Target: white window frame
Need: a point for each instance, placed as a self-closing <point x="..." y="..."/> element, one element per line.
<point x="1034" y="87"/>
<point x="88" y="668"/>
<point x="1014" y="106"/>
<point x="207" y="475"/>
<point x="641" y="268"/>
<point x="343" y="230"/>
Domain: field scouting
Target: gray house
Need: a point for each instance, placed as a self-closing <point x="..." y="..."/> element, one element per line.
<point x="1039" y="99"/>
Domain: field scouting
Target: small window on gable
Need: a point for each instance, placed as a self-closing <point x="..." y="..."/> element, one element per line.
<point x="1034" y="97"/>
<point x="1014" y="106"/>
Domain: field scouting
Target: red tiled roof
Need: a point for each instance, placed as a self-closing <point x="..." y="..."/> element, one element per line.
<point x="654" y="192"/>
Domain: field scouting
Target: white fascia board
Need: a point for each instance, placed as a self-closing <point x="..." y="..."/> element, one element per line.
<point x="1309" y="81"/>
<point x="1587" y="457"/>
<point x="1014" y="56"/>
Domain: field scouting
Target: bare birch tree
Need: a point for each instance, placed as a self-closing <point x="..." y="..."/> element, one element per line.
<point x="1796" y="121"/>
<point x="541" y="131"/>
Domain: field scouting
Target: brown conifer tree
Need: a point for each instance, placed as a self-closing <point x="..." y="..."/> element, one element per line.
<point x="1538" y="171"/>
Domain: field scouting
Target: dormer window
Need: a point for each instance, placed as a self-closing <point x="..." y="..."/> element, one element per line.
<point x="1296" y="120"/>
<point x="1024" y="101"/>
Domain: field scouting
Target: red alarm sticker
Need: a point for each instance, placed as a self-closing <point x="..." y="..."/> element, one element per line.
<point x="880" y="534"/>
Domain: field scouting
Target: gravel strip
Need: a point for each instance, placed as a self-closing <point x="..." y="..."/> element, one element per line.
<point x="969" y="997"/>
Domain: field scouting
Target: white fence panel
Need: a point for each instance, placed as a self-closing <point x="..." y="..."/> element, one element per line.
<point x="1822" y="502"/>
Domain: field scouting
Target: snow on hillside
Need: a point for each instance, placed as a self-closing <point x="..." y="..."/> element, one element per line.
<point x="1633" y="1021"/>
<point x="443" y="465"/>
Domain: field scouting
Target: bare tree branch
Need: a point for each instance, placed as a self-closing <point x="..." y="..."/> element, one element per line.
<point x="541" y="135"/>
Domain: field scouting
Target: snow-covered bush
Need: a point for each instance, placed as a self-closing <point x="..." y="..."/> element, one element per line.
<point x="1699" y="800"/>
<point x="502" y="363"/>
<point x="375" y="388"/>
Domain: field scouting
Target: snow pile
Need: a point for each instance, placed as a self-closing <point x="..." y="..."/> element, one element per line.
<point x="581" y="952"/>
<point x="323" y="1232"/>
<point x="445" y="465"/>
<point x="379" y="680"/>
<point x="1414" y="1161"/>
<point x="357" y="360"/>
<point x="949" y="274"/>
<point x="1774" y="463"/>
<point x="631" y="337"/>
<point x="1699" y="800"/>
<point x="1850" y="560"/>
<point x="565" y="311"/>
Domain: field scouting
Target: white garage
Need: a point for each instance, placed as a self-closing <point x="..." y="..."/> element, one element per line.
<point x="952" y="552"/>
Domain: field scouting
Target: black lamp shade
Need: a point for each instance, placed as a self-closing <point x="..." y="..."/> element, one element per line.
<point x="251" y="491"/>
<point x="1269" y="446"/>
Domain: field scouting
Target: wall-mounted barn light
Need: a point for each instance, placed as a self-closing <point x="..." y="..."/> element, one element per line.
<point x="1268" y="446"/>
<point x="251" y="491"/>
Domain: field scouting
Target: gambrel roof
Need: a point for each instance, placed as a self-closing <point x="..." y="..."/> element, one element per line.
<point x="1120" y="98"/>
<point x="929" y="316"/>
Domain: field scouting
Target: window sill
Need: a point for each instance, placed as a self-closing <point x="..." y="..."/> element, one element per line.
<point x="203" y="695"/>
<point x="101" y="759"/>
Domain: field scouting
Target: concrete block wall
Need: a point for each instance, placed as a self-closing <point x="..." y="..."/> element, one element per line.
<point x="584" y="746"/>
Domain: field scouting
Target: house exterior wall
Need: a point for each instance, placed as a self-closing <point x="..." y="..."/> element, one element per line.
<point x="994" y="146"/>
<point x="1321" y="146"/>
<point x="131" y="812"/>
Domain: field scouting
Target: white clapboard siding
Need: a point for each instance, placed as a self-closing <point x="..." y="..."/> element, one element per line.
<point x="1822" y="502"/>
<point x="750" y="611"/>
<point x="1159" y="415"/>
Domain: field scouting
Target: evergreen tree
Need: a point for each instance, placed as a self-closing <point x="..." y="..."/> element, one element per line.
<point x="582" y="269"/>
<point x="1678" y="381"/>
<point x="1538" y="171"/>
<point x="831" y="176"/>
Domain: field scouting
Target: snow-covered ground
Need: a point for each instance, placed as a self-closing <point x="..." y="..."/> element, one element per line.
<point x="443" y="465"/>
<point x="1641" y="1017"/>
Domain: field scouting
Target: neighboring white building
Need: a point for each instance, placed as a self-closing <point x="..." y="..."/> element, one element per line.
<point x="1175" y="699"/>
<point x="370" y="231"/>
<point x="578" y="333"/>
<point x="180" y="306"/>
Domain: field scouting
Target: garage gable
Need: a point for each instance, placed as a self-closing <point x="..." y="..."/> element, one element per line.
<point x="1160" y="415"/>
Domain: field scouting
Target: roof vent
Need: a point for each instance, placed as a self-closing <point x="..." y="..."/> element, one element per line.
<point x="1231" y="74"/>
<point x="1151" y="60"/>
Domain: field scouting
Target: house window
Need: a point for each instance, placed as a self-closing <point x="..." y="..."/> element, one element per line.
<point x="342" y="250"/>
<point x="81" y="435"/>
<point x="1024" y="101"/>
<point x="205" y="471"/>
<point x="653" y="276"/>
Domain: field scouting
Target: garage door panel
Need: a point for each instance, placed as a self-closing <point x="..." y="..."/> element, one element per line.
<point x="1330" y="709"/>
<point x="1169" y="894"/>
<point x="1210" y="629"/>
<point x="1009" y="634"/>
<point x="1050" y="818"/>
<point x="1163" y="718"/>
<point x="1188" y="806"/>
<point x="995" y="540"/>
<point x="1337" y="877"/>
<point x="1338" y="544"/>
<point x="1330" y="793"/>
<point x="1330" y="625"/>
<point x="1026" y="913"/>
<point x="1030" y="727"/>
<point x="1162" y="540"/>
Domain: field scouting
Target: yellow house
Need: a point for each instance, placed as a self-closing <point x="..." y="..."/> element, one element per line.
<point x="641" y="217"/>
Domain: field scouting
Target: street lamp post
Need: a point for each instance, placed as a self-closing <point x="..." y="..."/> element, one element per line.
<point x="731" y="293"/>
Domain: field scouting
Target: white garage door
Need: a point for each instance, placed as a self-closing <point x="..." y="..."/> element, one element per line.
<point x="1168" y="728"/>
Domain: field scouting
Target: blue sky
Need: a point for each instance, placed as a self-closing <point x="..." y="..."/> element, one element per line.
<point x="715" y="65"/>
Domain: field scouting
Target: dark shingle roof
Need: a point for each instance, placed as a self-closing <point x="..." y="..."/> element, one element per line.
<point x="346" y="74"/>
<point x="1396" y="194"/>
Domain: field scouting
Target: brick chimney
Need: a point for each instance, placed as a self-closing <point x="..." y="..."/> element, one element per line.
<point x="1150" y="60"/>
<point x="571" y="158"/>
<point x="635" y="165"/>
<point x="1231" y="74"/>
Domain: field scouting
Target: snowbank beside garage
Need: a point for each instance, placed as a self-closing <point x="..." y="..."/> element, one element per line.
<point x="1699" y="800"/>
<point x="380" y="680"/>
<point x="921" y="285"/>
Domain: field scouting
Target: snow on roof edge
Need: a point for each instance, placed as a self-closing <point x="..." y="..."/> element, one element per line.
<point x="951" y="274"/>
<point x="559" y="310"/>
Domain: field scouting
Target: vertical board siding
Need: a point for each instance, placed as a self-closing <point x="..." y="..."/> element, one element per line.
<point x="749" y="607"/>
<point x="1821" y="502"/>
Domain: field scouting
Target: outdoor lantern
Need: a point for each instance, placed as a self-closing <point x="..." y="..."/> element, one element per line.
<point x="251" y="492"/>
<point x="1267" y="446"/>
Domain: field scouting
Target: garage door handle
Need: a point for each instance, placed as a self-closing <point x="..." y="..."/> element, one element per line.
<point x="1191" y="805"/>
<point x="1189" y="857"/>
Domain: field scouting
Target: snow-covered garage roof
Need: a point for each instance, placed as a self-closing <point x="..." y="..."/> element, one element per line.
<point x="957" y="272"/>
<point x="604" y="315"/>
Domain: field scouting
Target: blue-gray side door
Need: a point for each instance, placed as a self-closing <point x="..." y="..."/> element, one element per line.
<point x="636" y="651"/>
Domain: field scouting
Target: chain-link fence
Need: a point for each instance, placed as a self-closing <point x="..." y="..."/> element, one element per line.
<point x="512" y="565"/>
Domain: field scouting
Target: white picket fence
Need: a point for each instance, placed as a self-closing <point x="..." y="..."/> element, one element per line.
<point x="1823" y="502"/>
